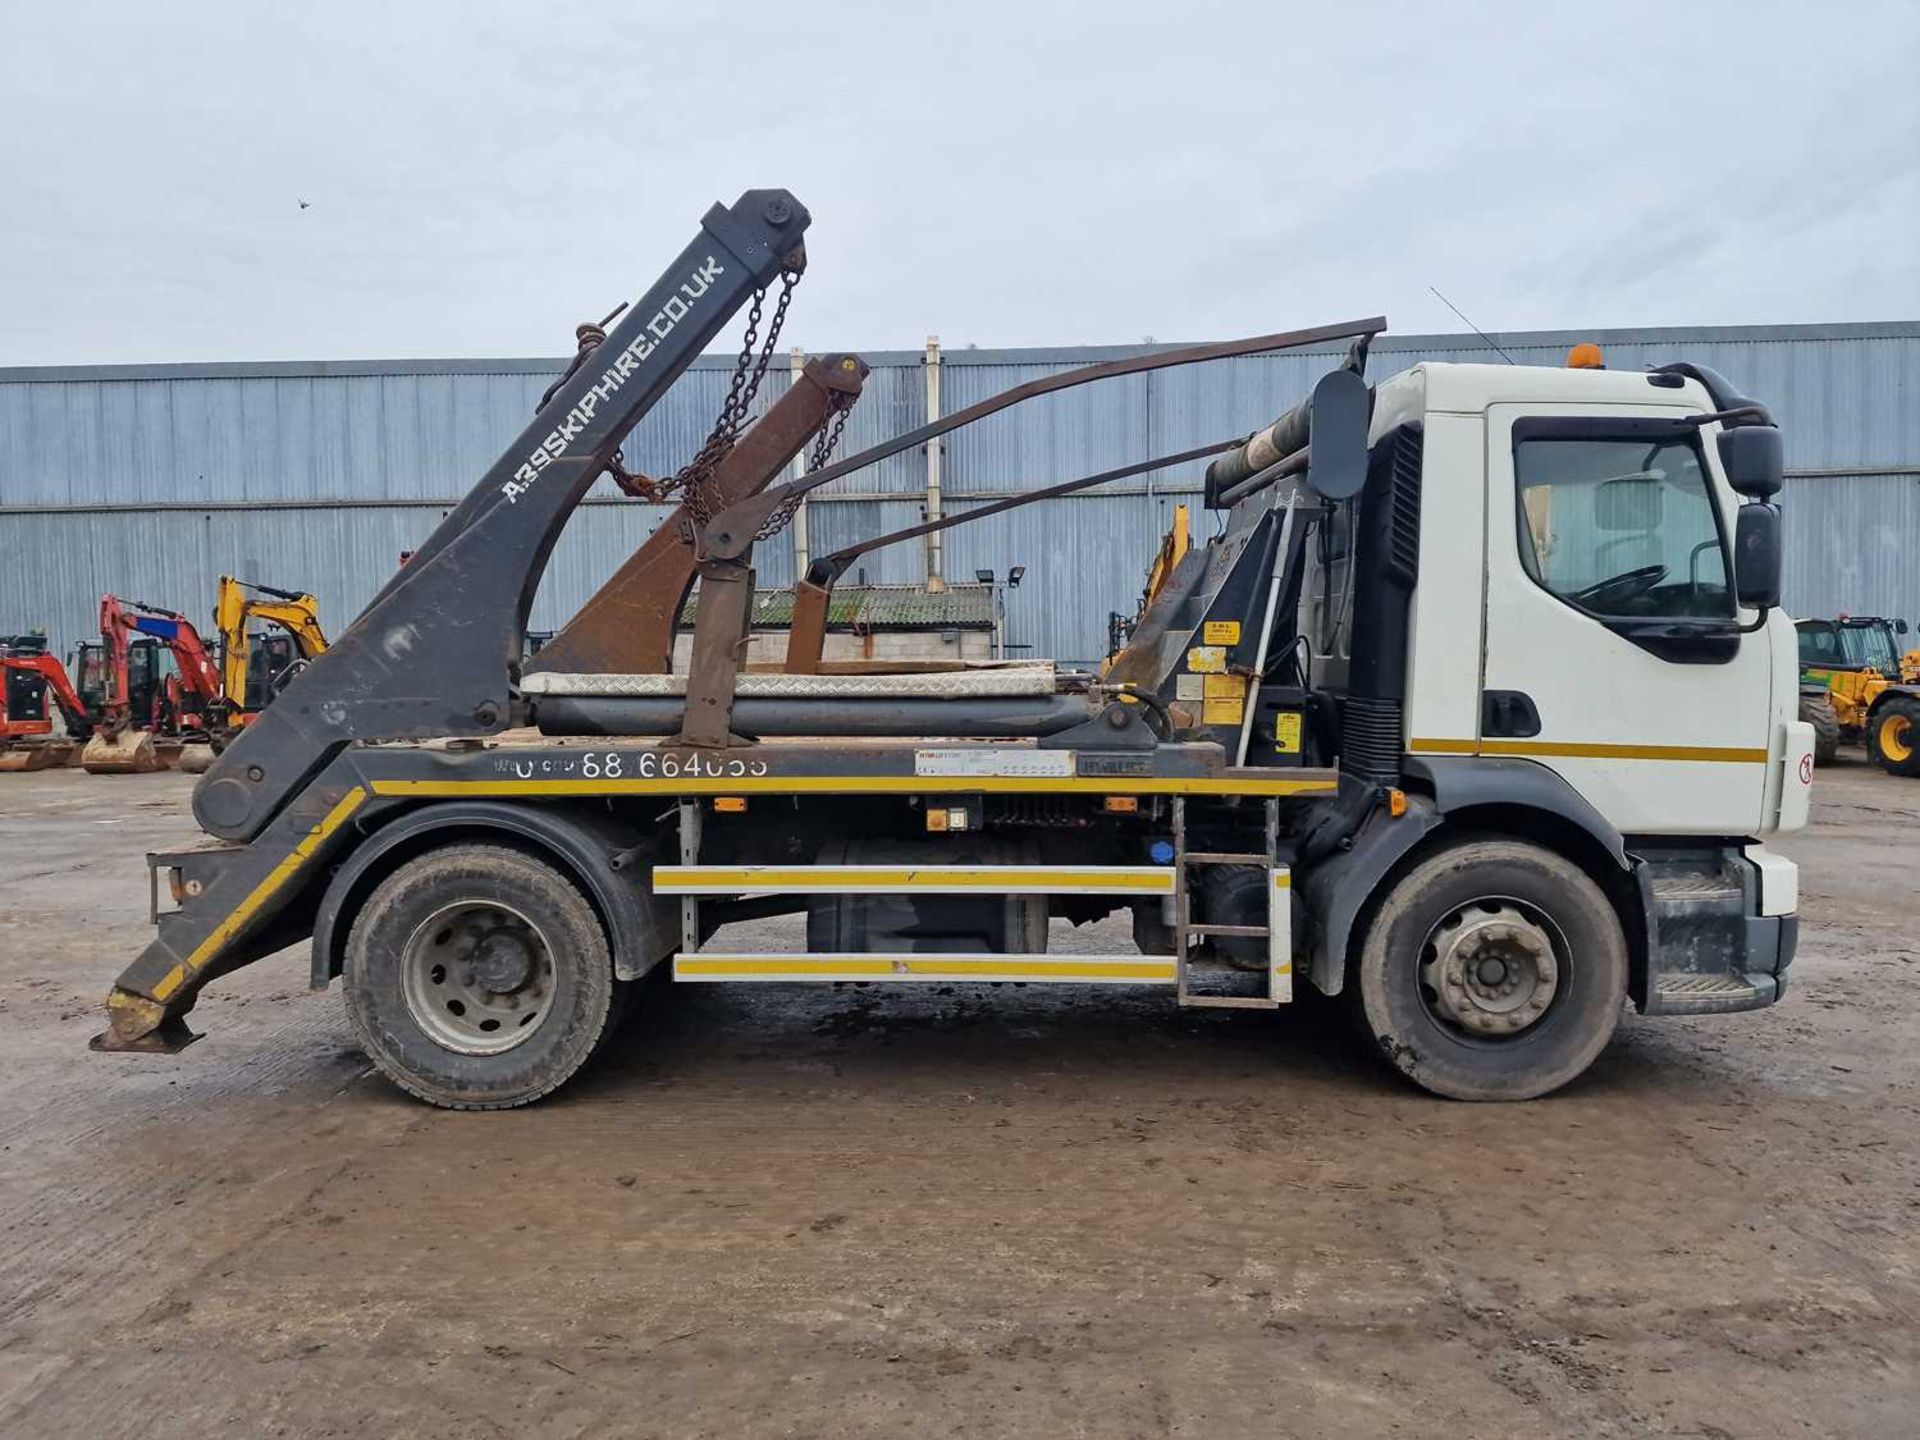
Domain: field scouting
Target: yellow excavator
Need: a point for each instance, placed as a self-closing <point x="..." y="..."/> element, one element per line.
<point x="1174" y="546"/>
<point x="256" y="667"/>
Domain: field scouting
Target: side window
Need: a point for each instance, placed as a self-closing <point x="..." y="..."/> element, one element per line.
<point x="1819" y="645"/>
<point x="1621" y="525"/>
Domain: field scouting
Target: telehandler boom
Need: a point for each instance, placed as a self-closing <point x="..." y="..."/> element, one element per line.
<point x="1422" y="724"/>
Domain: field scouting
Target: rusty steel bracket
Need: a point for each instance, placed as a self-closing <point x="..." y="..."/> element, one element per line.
<point x="628" y="626"/>
<point x="719" y="646"/>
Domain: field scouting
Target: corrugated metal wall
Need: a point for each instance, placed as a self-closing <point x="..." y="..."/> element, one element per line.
<point x="152" y="480"/>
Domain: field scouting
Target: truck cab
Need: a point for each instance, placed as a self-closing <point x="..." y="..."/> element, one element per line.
<point x="1577" y="606"/>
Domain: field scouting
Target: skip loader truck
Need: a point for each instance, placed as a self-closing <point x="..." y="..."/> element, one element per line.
<point x="1477" y="711"/>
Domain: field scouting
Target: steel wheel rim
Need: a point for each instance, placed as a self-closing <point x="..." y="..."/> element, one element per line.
<point x="1895" y="738"/>
<point x="477" y="977"/>
<point x="1492" y="969"/>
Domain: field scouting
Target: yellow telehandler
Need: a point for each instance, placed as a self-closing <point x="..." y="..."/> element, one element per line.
<point x="1871" y="689"/>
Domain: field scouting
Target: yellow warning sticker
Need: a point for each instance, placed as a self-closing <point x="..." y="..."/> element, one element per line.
<point x="1221" y="632"/>
<point x="1206" y="659"/>
<point x="1222" y="687"/>
<point x="1286" y="732"/>
<point x="1222" y="712"/>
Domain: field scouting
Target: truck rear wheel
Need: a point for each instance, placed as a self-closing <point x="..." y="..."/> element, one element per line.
<point x="478" y="977"/>
<point x="1493" y="970"/>
<point x="1893" y="736"/>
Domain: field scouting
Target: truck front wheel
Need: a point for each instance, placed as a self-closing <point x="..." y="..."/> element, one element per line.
<point x="478" y="977"/>
<point x="1492" y="970"/>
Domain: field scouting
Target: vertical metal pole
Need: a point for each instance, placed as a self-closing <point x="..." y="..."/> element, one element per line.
<point x="936" y="581"/>
<point x="1182" y="910"/>
<point x="801" y="555"/>
<point x="689" y="855"/>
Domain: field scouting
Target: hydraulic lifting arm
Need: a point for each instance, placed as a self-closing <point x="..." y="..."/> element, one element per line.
<point x="437" y="651"/>
<point x="629" y="623"/>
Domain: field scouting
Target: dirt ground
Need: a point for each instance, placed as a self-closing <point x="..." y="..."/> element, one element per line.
<point x="855" y="1213"/>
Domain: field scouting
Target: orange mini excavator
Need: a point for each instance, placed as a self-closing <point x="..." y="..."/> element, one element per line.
<point x="30" y="678"/>
<point x="149" y="736"/>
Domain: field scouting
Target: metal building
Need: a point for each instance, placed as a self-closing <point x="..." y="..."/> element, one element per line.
<point x="152" y="480"/>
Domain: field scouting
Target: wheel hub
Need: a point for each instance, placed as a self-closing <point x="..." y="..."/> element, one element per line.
<point x="477" y="977"/>
<point x="502" y="962"/>
<point x="1490" y="969"/>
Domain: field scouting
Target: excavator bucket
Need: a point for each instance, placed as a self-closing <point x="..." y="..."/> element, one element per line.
<point x="131" y="752"/>
<point x="36" y="755"/>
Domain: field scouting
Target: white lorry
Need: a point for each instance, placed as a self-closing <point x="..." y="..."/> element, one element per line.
<point x="1479" y="710"/>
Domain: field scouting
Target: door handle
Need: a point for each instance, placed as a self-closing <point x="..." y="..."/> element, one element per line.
<point x="1508" y="715"/>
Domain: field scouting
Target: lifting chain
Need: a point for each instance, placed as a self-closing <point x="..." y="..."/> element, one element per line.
<point x="824" y="442"/>
<point x="693" y="482"/>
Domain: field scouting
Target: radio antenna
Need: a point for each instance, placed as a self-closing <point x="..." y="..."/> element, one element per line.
<point x="1473" y="327"/>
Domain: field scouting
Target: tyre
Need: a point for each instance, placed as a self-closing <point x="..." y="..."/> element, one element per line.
<point x="478" y="977"/>
<point x="1817" y="711"/>
<point x="1492" y="970"/>
<point x="1893" y="736"/>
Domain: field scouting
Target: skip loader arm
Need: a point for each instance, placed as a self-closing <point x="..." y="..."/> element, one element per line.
<point x="436" y="653"/>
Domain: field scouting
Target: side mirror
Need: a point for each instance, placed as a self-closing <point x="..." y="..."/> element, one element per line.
<point x="1337" y="445"/>
<point x="1756" y="556"/>
<point x="1754" y="460"/>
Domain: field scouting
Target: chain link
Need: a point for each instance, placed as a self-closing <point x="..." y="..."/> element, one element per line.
<point x="694" y="480"/>
<point x="694" y="483"/>
<point x="824" y="442"/>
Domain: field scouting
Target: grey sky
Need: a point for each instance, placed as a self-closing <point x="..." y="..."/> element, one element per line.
<point x="481" y="176"/>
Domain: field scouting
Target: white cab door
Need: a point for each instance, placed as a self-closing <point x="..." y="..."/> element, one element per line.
<point x="1609" y="604"/>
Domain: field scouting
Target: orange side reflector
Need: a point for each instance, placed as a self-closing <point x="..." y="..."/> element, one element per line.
<point x="1122" y="804"/>
<point x="1396" y="803"/>
<point x="936" y="818"/>
<point x="730" y="804"/>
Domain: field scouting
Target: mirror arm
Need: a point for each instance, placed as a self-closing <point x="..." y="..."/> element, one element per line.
<point x="1738" y="415"/>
